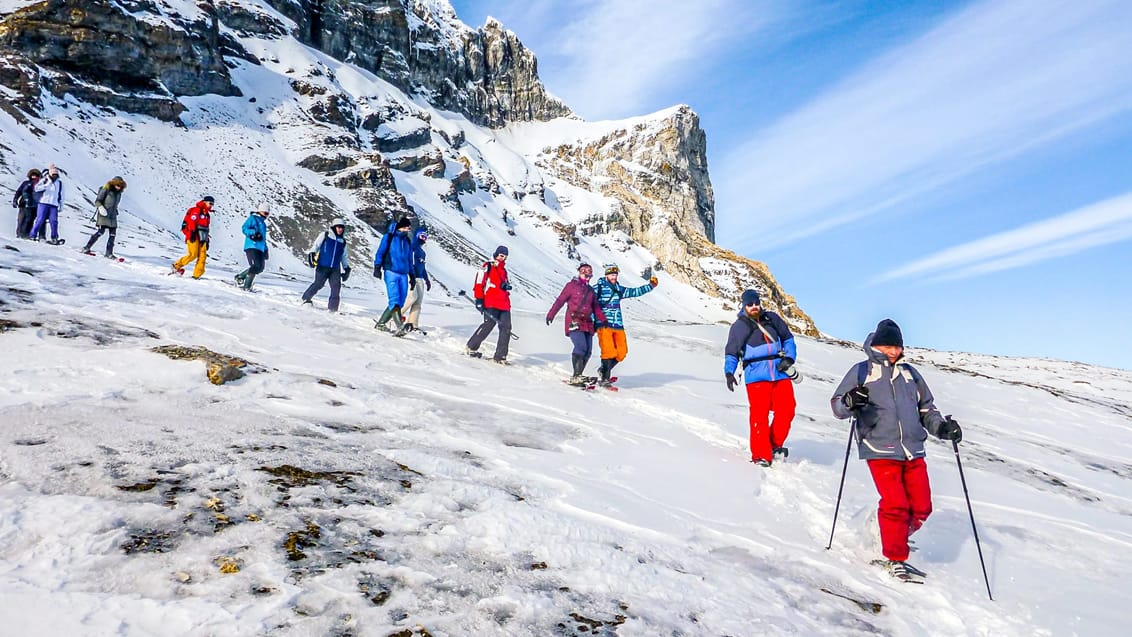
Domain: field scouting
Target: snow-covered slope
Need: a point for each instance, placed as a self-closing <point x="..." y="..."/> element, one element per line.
<point x="365" y="485"/>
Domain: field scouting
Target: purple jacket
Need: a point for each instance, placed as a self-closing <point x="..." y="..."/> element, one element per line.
<point x="581" y="307"/>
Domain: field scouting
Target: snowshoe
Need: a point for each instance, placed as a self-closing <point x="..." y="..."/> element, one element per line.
<point x="901" y="571"/>
<point x="177" y="271"/>
<point x="501" y="361"/>
<point x="56" y="242"/>
<point x="473" y="353"/>
<point x="760" y="462"/>
<point x="114" y="257"/>
<point x="87" y="251"/>
<point x="781" y="453"/>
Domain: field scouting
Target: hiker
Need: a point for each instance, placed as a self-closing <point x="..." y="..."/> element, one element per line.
<point x="50" y="202"/>
<point x="106" y="215"/>
<point x="255" y="246"/>
<point x="419" y="282"/>
<point x="26" y="200"/>
<point x="761" y="340"/>
<point x="328" y="256"/>
<point x="492" y="293"/>
<point x="611" y="334"/>
<point x="581" y="309"/>
<point x="893" y="412"/>
<point x="195" y="227"/>
<point x="393" y="263"/>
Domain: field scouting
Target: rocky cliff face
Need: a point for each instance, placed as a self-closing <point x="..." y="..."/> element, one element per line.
<point x="421" y="47"/>
<point x="657" y="173"/>
<point x="99" y="52"/>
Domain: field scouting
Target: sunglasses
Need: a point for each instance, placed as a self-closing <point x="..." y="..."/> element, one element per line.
<point x="755" y="304"/>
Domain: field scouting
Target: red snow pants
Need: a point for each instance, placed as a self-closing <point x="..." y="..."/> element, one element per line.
<point x="764" y="397"/>
<point x="905" y="502"/>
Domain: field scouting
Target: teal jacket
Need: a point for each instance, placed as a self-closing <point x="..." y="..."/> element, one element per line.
<point x="609" y="297"/>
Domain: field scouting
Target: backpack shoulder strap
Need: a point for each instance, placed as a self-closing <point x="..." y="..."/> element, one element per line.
<point x="863" y="372"/>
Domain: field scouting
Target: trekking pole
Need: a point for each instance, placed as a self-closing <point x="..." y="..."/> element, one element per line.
<point x="959" y="463"/>
<point x="514" y="336"/>
<point x="848" y="445"/>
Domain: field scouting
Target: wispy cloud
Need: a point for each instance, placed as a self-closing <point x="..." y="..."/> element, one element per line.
<point x="611" y="58"/>
<point x="988" y="83"/>
<point x="1102" y="223"/>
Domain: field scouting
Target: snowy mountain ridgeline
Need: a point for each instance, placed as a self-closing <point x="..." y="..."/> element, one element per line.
<point x="368" y="110"/>
<point x="334" y="481"/>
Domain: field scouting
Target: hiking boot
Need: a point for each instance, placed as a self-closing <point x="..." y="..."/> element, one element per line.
<point x="781" y="453"/>
<point x="240" y="278"/>
<point x="88" y="251"/>
<point x="473" y="353"/>
<point x="760" y="462"/>
<point x="577" y="380"/>
<point x="56" y="242"/>
<point x="306" y="302"/>
<point x="501" y="361"/>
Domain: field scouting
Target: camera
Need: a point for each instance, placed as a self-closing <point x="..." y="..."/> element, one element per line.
<point x="506" y="287"/>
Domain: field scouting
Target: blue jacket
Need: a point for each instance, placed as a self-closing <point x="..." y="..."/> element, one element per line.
<point x="331" y="250"/>
<point x="395" y="254"/>
<point x="609" y="297"/>
<point x="901" y="409"/>
<point x="419" y="270"/>
<point x="255" y="225"/>
<point x="759" y="351"/>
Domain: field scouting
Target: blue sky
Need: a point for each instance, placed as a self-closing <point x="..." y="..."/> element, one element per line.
<point x="964" y="168"/>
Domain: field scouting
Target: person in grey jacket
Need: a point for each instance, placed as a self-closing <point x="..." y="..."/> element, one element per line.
<point x="893" y="412"/>
<point x="106" y="214"/>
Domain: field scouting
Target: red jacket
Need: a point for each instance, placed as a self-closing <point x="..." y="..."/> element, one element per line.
<point x="581" y="307"/>
<point x="489" y="287"/>
<point x="197" y="218"/>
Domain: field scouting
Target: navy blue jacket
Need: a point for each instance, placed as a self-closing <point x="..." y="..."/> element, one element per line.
<point x="758" y="350"/>
<point x="419" y="270"/>
<point x="331" y="250"/>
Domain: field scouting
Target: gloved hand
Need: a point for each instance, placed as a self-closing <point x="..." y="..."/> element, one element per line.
<point x="412" y="281"/>
<point x="265" y="253"/>
<point x="549" y="320"/>
<point x="202" y="233"/>
<point x="856" y="398"/>
<point x="950" y="430"/>
<point x="377" y="271"/>
<point x="428" y="285"/>
<point x="345" y="274"/>
<point x="506" y="287"/>
<point x="784" y="364"/>
<point x="257" y="237"/>
<point x="479" y="305"/>
<point x="653" y="281"/>
<point x="731" y="382"/>
<point x="310" y="259"/>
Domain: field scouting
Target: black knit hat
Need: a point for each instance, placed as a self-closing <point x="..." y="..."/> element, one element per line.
<point x="403" y="222"/>
<point x="888" y="333"/>
<point x="208" y="199"/>
<point x="750" y="297"/>
<point x="500" y="250"/>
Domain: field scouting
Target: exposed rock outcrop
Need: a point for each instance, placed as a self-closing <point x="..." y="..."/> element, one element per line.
<point x="486" y="74"/>
<point x="657" y="173"/>
<point x="102" y="54"/>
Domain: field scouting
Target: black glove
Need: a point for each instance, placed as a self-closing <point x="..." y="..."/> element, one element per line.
<point x="950" y="430"/>
<point x="412" y="281"/>
<point x="785" y="363"/>
<point x="257" y="237"/>
<point x="377" y="271"/>
<point x="428" y="285"/>
<point x="856" y="398"/>
<point x="549" y="320"/>
<point x="506" y="287"/>
<point x="731" y="382"/>
<point x="310" y="259"/>
<point x="265" y="253"/>
<point x="479" y="305"/>
<point x="345" y="274"/>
